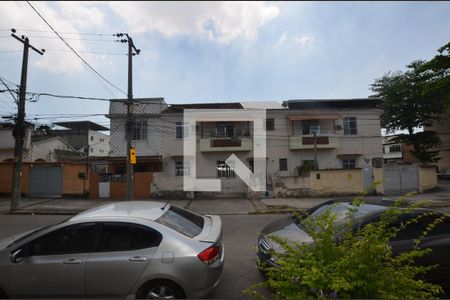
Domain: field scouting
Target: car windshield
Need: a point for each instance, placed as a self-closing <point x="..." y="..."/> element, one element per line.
<point x="340" y="210"/>
<point x="183" y="221"/>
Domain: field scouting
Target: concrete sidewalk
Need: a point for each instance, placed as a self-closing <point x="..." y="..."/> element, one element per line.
<point x="438" y="198"/>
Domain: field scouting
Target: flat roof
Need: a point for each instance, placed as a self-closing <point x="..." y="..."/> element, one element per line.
<point x="332" y="103"/>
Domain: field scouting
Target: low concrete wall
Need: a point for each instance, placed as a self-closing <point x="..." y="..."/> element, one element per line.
<point x="427" y="178"/>
<point x="6" y="173"/>
<point x="336" y="182"/>
<point x="73" y="184"/>
<point x="292" y="186"/>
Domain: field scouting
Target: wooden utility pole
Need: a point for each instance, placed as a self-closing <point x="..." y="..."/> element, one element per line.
<point x="19" y="128"/>
<point x="129" y="121"/>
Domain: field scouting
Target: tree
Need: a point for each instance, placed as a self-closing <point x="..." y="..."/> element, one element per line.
<point x="408" y="103"/>
<point x="438" y="69"/>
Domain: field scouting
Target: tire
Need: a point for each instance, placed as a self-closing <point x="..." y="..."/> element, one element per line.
<point x="160" y="289"/>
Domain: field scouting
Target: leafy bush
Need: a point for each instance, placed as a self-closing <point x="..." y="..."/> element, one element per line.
<point x="349" y="262"/>
<point x="304" y="168"/>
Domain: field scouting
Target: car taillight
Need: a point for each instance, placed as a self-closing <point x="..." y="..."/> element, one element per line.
<point x="209" y="255"/>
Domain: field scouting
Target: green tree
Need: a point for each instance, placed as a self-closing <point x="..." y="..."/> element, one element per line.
<point x="408" y="104"/>
<point x="438" y="71"/>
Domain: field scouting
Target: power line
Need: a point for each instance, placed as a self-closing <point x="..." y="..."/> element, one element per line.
<point x="71" y="38"/>
<point x="76" y="53"/>
<point x="46" y="31"/>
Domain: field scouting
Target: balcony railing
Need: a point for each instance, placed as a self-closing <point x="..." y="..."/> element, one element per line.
<point x="299" y="142"/>
<point x="219" y="144"/>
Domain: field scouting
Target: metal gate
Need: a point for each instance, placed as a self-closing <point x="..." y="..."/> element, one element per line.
<point x="400" y="179"/>
<point x="46" y="181"/>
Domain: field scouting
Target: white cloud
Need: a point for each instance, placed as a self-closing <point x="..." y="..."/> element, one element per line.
<point x="64" y="17"/>
<point x="281" y="41"/>
<point x="219" y="21"/>
<point x="304" y="40"/>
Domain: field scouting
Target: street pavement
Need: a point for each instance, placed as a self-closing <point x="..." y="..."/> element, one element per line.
<point x="438" y="198"/>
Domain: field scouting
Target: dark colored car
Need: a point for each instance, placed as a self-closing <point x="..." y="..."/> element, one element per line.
<point x="292" y="228"/>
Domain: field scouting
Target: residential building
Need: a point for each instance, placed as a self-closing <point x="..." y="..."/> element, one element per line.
<point x="145" y="127"/>
<point x="7" y="142"/>
<point x="52" y="149"/>
<point x="335" y="133"/>
<point x="85" y="137"/>
<point x="442" y="128"/>
<point x="397" y="152"/>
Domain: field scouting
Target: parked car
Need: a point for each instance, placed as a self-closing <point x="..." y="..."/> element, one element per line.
<point x="444" y="175"/>
<point x="292" y="228"/>
<point x="138" y="249"/>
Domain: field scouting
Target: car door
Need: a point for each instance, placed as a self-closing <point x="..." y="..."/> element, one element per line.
<point x="53" y="264"/>
<point x="122" y="253"/>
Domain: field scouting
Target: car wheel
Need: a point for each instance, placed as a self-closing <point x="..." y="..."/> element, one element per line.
<point x="161" y="289"/>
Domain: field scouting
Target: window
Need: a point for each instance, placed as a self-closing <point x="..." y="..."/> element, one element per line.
<point x="138" y="129"/>
<point x="182" y="168"/>
<point x="224" y="129"/>
<point x="270" y="124"/>
<point x="349" y="163"/>
<point x="350" y="126"/>
<point x="415" y="230"/>
<point x="283" y="164"/>
<point x="126" y="236"/>
<point x="395" y="148"/>
<point x="183" y="221"/>
<point x="311" y="127"/>
<point x="71" y="239"/>
<point x="91" y="149"/>
<point x="102" y="140"/>
<point x="92" y="137"/>
<point x="181" y="130"/>
<point x="224" y="170"/>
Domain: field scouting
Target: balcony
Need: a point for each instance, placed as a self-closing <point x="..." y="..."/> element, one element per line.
<point x="223" y="144"/>
<point x="307" y="142"/>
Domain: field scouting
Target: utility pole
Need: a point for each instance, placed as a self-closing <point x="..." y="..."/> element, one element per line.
<point x="129" y="121"/>
<point x="19" y="128"/>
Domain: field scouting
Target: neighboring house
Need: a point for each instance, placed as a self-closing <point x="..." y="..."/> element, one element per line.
<point x="7" y="142"/>
<point x="146" y="130"/>
<point x="85" y="136"/>
<point x="442" y="128"/>
<point x="395" y="152"/>
<point x="52" y="149"/>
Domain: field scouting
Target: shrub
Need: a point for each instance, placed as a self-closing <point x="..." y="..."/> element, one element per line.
<point x="349" y="262"/>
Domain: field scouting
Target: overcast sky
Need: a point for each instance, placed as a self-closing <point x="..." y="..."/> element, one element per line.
<point x="215" y="51"/>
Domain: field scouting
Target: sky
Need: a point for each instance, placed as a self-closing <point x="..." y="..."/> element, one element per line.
<point x="211" y="51"/>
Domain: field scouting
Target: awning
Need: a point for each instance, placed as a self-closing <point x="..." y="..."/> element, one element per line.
<point x="315" y="117"/>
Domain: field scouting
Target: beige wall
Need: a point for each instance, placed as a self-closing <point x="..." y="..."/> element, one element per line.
<point x="378" y="177"/>
<point x="337" y="182"/>
<point x="427" y="178"/>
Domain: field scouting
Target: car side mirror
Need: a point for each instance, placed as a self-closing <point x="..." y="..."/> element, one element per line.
<point x="17" y="256"/>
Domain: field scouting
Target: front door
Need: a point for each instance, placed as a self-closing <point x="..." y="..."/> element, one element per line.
<point x="53" y="265"/>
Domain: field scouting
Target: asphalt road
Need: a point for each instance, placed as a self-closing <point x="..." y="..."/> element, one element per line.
<point x="239" y="233"/>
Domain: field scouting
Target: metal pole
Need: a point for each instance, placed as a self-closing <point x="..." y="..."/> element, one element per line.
<point x="130" y="175"/>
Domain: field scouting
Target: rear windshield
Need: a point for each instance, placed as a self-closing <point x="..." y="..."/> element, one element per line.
<point x="183" y="221"/>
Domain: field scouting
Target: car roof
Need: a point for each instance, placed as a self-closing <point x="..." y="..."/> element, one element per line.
<point x="150" y="210"/>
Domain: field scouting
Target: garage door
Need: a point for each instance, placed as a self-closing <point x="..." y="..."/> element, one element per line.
<point x="46" y="181"/>
<point x="400" y="179"/>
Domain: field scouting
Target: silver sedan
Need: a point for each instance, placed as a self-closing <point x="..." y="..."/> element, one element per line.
<point x="136" y="249"/>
